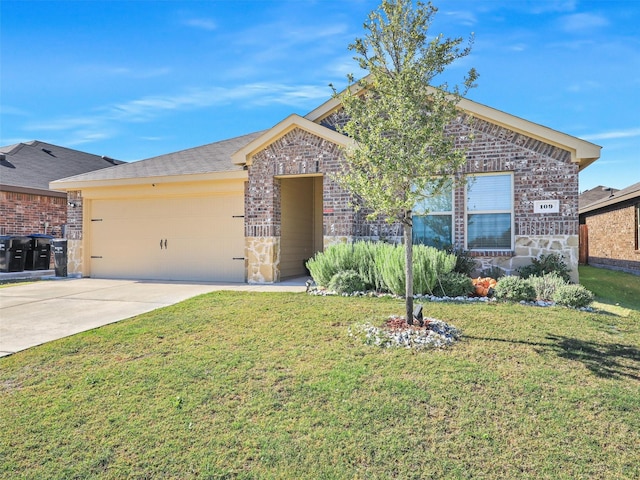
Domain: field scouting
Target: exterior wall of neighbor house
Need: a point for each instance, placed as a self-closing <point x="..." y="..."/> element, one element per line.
<point x="540" y="172"/>
<point x="28" y="213"/>
<point x="612" y="238"/>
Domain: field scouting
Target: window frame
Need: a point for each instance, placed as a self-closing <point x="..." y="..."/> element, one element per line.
<point x="510" y="211"/>
<point x="450" y="214"/>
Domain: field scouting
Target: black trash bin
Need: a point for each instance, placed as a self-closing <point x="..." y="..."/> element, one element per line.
<point x="59" y="256"/>
<point x="13" y="253"/>
<point x="39" y="256"/>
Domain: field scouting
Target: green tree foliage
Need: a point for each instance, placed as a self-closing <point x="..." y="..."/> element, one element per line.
<point x="398" y="116"/>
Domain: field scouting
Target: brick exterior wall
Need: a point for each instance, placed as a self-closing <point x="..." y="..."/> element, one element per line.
<point x="296" y="153"/>
<point x="26" y="213"/>
<point x="612" y="238"/>
<point x="540" y="172"/>
<point x="74" y="215"/>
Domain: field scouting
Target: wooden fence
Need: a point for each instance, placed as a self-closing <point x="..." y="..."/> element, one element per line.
<point x="583" y="248"/>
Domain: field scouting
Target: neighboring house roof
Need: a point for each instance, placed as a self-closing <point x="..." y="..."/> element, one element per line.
<point x="624" y="195"/>
<point x="598" y="193"/>
<point x="212" y="158"/>
<point x="582" y="152"/>
<point x="30" y="167"/>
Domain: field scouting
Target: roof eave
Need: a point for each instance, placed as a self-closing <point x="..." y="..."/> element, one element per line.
<point x="71" y="184"/>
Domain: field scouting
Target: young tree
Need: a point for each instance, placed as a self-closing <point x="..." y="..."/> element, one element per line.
<point x="399" y="119"/>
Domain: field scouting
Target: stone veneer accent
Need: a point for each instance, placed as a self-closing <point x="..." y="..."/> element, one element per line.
<point x="74" y="258"/>
<point x="530" y="247"/>
<point x="262" y="259"/>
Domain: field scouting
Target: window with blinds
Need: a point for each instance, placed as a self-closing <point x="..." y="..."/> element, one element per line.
<point x="433" y="219"/>
<point x="489" y="212"/>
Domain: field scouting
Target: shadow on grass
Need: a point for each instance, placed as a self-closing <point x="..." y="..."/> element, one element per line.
<point x="606" y="360"/>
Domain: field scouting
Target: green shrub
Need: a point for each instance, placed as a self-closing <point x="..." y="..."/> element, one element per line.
<point x="453" y="284"/>
<point x="358" y="256"/>
<point x="390" y="265"/>
<point x="575" y="296"/>
<point x="465" y="263"/>
<point x="428" y="264"/>
<point x="514" y="289"/>
<point x="493" y="272"/>
<point x="546" y="285"/>
<point x="348" y="281"/>
<point x="551" y="263"/>
<point x="364" y="257"/>
<point x="324" y="265"/>
<point x="381" y="265"/>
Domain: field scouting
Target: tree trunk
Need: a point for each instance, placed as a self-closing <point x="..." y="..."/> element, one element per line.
<point x="408" y="265"/>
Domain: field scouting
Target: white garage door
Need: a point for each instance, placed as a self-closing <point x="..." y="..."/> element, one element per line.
<point x="177" y="238"/>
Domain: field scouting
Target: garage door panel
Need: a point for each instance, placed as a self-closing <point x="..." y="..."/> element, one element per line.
<point x="201" y="235"/>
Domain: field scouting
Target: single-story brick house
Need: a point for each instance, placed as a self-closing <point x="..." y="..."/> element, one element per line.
<point x="27" y="204"/>
<point x="255" y="207"/>
<point x="610" y="230"/>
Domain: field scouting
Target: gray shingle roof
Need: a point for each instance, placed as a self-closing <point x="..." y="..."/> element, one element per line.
<point x="34" y="164"/>
<point x="597" y="193"/>
<point x="630" y="193"/>
<point x="210" y="158"/>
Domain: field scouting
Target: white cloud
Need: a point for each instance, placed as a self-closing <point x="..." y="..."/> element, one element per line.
<point x="585" y="86"/>
<point x="98" y="70"/>
<point x="582" y="22"/>
<point x="553" y="6"/>
<point x="628" y="133"/>
<point x="463" y="17"/>
<point x="10" y="110"/>
<point x="103" y="124"/>
<point x="201" y="23"/>
<point x="517" y="47"/>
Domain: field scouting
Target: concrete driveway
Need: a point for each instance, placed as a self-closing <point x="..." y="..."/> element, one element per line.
<point x="39" y="312"/>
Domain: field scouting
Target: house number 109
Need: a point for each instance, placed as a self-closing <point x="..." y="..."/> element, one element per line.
<point x="546" y="206"/>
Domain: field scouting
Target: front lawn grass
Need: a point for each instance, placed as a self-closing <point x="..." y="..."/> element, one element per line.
<point x="611" y="287"/>
<point x="270" y="386"/>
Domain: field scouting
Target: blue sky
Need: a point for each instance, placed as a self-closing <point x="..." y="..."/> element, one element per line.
<point x="135" y="79"/>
